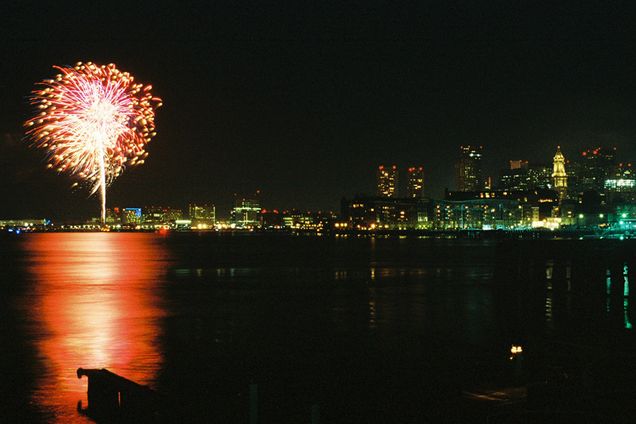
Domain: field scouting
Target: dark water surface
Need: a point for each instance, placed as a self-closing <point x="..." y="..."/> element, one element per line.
<point x="369" y="329"/>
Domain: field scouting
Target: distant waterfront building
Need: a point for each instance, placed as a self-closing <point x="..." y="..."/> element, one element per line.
<point x="620" y="186"/>
<point x="131" y="216"/>
<point x="477" y="214"/>
<point x="516" y="177"/>
<point x="469" y="169"/>
<point x="25" y="223"/>
<point x="415" y="182"/>
<point x="559" y="176"/>
<point x="524" y="176"/>
<point x="306" y="220"/>
<point x="272" y="219"/>
<point x="113" y="216"/>
<point x="202" y="215"/>
<point x="245" y="213"/>
<point x="596" y="165"/>
<point x="381" y="213"/>
<point x="539" y="177"/>
<point x="160" y="215"/>
<point x="387" y="181"/>
<point x="493" y="209"/>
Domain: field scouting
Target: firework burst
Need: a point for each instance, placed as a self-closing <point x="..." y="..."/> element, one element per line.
<point x="93" y="121"/>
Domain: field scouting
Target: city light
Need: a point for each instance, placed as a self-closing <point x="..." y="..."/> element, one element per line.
<point x="516" y="349"/>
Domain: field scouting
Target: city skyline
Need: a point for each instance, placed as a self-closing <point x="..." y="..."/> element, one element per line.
<point x="395" y="181"/>
<point x="264" y="99"/>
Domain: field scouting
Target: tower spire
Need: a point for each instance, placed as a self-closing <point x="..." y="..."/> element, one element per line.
<point x="559" y="176"/>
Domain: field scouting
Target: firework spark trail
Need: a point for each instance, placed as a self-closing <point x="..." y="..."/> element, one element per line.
<point x="93" y="121"/>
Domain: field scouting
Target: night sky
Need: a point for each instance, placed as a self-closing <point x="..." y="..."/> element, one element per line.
<point x="303" y="100"/>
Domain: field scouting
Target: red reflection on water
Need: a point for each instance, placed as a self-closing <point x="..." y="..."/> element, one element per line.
<point x="96" y="307"/>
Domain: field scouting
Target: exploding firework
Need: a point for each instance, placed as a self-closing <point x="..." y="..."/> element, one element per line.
<point x="93" y="121"/>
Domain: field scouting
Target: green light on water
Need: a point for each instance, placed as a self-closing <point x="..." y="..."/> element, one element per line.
<point x="628" y="323"/>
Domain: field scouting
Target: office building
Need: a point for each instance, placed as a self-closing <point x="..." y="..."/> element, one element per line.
<point x="245" y="213"/>
<point x="387" y="181"/>
<point x="202" y="215"/>
<point x="378" y="213"/>
<point x="515" y="177"/>
<point x="490" y="209"/>
<point x="597" y="165"/>
<point x="469" y="169"/>
<point x="160" y="215"/>
<point x="131" y="216"/>
<point x="620" y="186"/>
<point x="415" y="182"/>
<point x="539" y="177"/>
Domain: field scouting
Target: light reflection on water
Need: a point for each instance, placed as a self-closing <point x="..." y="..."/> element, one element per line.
<point x="226" y="316"/>
<point x="615" y="285"/>
<point x="95" y="306"/>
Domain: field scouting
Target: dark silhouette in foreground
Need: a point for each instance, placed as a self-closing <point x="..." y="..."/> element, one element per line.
<point x="112" y="397"/>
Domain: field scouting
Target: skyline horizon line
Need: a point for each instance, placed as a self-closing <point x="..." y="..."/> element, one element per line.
<point x="226" y="199"/>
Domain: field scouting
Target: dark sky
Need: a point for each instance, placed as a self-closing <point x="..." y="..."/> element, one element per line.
<point x="303" y="100"/>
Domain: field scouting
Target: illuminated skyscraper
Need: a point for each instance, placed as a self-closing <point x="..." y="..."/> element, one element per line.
<point x="415" y="182"/>
<point x="387" y="181"/>
<point x="559" y="177"/>
<point x="469" y="169"/>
